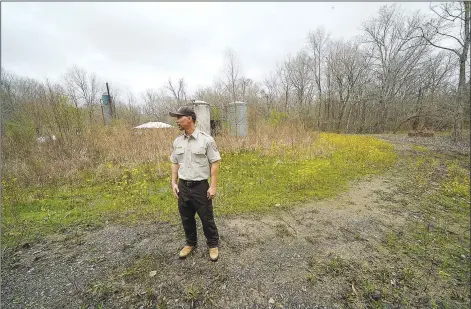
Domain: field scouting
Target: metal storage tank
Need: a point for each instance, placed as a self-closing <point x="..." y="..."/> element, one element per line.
<point x="203" y="115"/>
<point x="237" y="118"/>
<point x="106" y="107"/>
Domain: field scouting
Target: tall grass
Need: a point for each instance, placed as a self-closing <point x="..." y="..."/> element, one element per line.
<point x="65" y="161"/>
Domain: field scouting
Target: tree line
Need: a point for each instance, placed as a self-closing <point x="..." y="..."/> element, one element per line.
<point x="406" y="70"/>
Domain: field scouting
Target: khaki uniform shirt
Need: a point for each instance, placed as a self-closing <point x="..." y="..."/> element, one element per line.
<point x="194" y="154"/>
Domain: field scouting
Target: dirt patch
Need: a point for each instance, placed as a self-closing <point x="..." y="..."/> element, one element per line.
<point x="266" y="261"/>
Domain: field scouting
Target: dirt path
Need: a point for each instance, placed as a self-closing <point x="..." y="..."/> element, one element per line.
<point x="266" y="261"/>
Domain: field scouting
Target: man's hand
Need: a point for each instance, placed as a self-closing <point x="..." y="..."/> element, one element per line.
<point x="211" y="192"/>
<point x="175" y="190"/>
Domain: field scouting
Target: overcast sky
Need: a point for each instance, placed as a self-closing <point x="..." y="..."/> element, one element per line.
<point x="136" y="46"/>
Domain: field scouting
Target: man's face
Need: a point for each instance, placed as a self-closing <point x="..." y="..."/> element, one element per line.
<point x="183" y="122"/>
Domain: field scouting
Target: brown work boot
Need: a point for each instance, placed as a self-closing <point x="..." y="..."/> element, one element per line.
<point x="186" y="251"/>
<point x="213" y="254"/>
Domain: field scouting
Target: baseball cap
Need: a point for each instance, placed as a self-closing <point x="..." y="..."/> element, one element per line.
<point x="184" y="111"/>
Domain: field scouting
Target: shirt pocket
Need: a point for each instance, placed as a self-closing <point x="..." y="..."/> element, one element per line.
<point x="198" y="155"/>
<point x="180" y="152"/>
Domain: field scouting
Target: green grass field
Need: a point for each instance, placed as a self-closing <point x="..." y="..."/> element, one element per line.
<point x="249" y="181"/>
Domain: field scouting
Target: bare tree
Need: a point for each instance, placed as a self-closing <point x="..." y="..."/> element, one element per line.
<point x="283" y="71"/>
<point x="396" y="51"/>
<point x="60" y="113"/>
<point x="302" y="79"/>
<point x="178" y="92"/>
<point x="215" y="95"/>
<point x="270" y="91"/>
<point x="245" y="84"/>
<point x="127" y="107"/>
<point x="232" y="75"/>
<point x="348" y="65"/>
<point x="83" y="88"/>
<point x="318" y="41"/>
<point x="151" y="102"/>
<point x="7" y="96"/>
<point x="450" y="19"/>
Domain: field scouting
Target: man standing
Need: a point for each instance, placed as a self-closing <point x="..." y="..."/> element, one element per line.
<point x="195" y="158"/>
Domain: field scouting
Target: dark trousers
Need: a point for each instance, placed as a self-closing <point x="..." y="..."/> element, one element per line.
<point x="192" y="199"/>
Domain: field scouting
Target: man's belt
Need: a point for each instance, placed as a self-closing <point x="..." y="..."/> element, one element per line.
<point x="192" y="183"/>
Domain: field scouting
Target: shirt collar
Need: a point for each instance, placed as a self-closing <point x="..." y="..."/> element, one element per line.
<point x="194" y="134"/>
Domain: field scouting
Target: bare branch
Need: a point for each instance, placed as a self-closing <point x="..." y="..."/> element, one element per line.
<point x="435" y="45"/>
